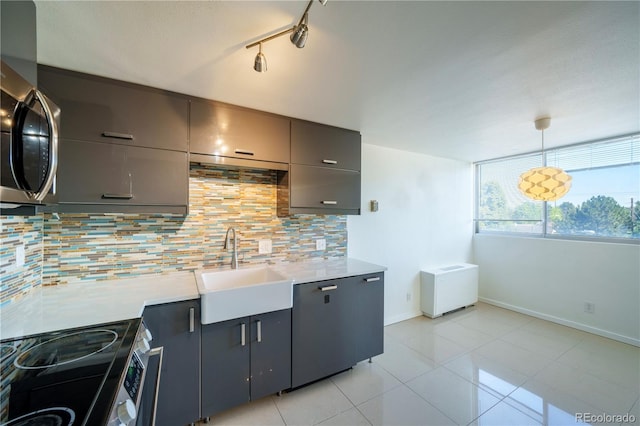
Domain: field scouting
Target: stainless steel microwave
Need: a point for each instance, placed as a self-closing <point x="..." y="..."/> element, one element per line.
<point x="29" y="154"/>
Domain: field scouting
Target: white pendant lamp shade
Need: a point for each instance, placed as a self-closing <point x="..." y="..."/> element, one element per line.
<point x="544" y="183"/>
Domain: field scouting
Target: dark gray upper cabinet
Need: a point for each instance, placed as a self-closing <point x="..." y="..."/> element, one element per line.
<point x="224" y="130"/>
<point x="325" y="189"/>
<point x="315" y="144"/>
<point x="103" y="110"/>
<point x="99" y="177"/>
<point x="335" y="324"/>
<point x="18" y="39"/>
<point x="175" y="327"/>
<point x="123" y="147"/>
<point x="324" y="175"/>
<point x="245" y="359"/>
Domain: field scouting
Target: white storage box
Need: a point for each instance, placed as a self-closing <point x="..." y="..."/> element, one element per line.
<point x="448" y="288"/>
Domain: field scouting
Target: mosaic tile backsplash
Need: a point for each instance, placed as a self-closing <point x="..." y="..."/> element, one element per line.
<point x="105" y="246"/>
<point x="17" y="233"/>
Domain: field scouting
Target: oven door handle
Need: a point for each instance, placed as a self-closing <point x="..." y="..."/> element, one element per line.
<point x="159" y="352"/>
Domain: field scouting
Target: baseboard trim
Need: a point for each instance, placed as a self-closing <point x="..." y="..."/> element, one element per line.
<point x="562" y="321"/>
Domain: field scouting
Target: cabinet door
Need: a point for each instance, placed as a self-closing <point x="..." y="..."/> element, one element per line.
<point x="324" y="188"/>
<point x="368" y="302"/>
<point x="270" y="353"/>
<point x="224" y="130"/>
<point x="104" y="110"/>
<point x="316" y="144"/>
<point x="225" y="365"/>
<point x="322" y="331"/>
<point x="175" y="327"/>
<point x="99" y="173"/>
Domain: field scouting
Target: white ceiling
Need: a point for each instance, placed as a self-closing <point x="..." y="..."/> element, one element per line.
<point x="455" y="79"/>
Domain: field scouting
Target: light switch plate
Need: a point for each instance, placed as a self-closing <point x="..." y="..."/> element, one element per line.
<point x="264" y="247"/>
<point x="321" y="244"/>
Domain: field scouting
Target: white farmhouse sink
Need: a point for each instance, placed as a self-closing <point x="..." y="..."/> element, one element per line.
<point x="235" y="293"/>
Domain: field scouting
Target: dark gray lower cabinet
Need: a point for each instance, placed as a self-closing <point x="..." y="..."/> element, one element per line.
<point x="369" y="315"/>
<point x="335" y="325"/>
<point x="245" y="359"/>
<point x="175" y="327"/>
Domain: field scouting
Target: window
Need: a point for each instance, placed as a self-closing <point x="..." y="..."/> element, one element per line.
<point x="603" y="203"/>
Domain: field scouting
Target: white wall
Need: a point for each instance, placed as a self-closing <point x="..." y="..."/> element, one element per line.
<point x="552" y="279"/>
<point x="424" y="219"/>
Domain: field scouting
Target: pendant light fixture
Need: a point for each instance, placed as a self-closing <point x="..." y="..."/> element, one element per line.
<point x="299" y="34"/>
<point x="544" y="183"/>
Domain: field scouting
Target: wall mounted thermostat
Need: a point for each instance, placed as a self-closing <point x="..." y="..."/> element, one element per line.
<point x="374" y="205"/>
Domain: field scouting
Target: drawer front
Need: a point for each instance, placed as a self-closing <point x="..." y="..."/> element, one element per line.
<point x="101" y="110"/>
<point x="101" y="173"/>
<point x="315" y="144"/>
<point x="218" y="129"/>
<point x="324" y="188"/>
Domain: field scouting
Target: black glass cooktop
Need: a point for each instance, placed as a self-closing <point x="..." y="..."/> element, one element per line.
<point x="67" y="377"/>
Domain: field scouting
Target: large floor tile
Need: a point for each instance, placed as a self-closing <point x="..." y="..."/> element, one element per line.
<point x="258" y="413"/>
<point x="610" y="360"/>
<point x="351" y="417"/>
<point x="364" y="381"/>
<point x="487" y="374"/>
<point x="401" y="406"/>
<point x="548" y="405"/>
<point x="513" y="357"/>
<point x="547" y="345"/>
<point x="457" y="398"/>
<point x="488" y="323"/>
<point x="409" y="329"/>
<point x="403" y="362"/>
<point x="435" y="347"/>
<point x="579" y="383"/>
<point x="503" y="414"/>
<point x="464" y="336"/>
<point x="312" y="404"/>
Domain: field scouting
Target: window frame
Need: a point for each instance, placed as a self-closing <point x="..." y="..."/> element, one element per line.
<point x="545" y="204"/>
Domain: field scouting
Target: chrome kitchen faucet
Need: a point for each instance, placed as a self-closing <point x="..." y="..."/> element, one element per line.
<point x="234" y="256"/>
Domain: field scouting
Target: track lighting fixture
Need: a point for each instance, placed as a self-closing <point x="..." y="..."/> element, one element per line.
<point x="299" y="34"/>
<point x="260" y="63"/>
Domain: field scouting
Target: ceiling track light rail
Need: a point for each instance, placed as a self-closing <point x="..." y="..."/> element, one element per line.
<point x="299" y="34"/>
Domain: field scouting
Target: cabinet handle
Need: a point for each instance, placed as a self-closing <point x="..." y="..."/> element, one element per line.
<point x="333" y="203"/>
<point x="328" y="287"/>
<point x="117" y="196"/>
<point x="243" y="152"/>
<point x="192" y="318"/>
<point x="159" y="352"/>
<point x="243" y="334"/>
<point x="329" y="161"/>
<point x="259" y="324"/>
<point x="372" y="279"/>
<point x="114" y="135"/>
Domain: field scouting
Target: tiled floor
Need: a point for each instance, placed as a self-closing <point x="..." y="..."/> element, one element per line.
<point x="480" y="366"/>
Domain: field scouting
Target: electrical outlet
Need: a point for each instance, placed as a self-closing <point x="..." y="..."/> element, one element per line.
<point x="20" y="256"/>
<point x="408" y="297"/>
<point x="264" y="247"/>
<point x="590" y="307"/>
<point x="321" y="244"/>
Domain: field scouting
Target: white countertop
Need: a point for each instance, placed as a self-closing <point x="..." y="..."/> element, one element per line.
<point x="79" y="304"/>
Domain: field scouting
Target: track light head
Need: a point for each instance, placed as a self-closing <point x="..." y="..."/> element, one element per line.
<point x="299" y="35"/>
<point x="260" y="63"/>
